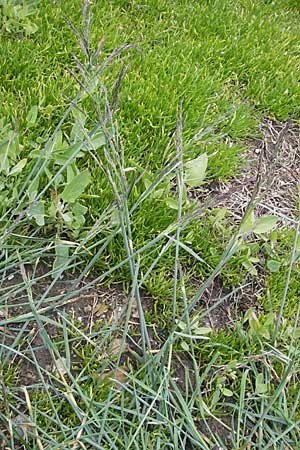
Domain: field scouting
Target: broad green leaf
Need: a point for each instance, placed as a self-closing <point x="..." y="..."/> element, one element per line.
<point x="9" y="150"/>
<point x="79" y="210"/>
<point x="33" y="189"/>
<point x="232" y="364"/>
<point x="18" y="167"/>
<point x="221" y="380"/>
<point x="37" y="212"/>
<point x="195" y="170"/>
<point x="265" y="224"/>
<point x="52" y="210"/>
<point x="227" y="392"/>
<point x="250" y="267"/>
<point x="96" y="141"/>
<point x="71" y="171"/>
<point x="48" y="173"/>
<point x="75" y="188"/>
<point x="249" y="315"/>
<point x="273" y="265"/>
<point x="57" y="142"/>
<point x="78" y="131"/>
<point x="63" y="155"/>
<point x="220" y="215"/>
<point x="67" y="217"/>
<point x="202" y="330"/>
<point x="159" y="193"/>
<point x="260" y="386"/>
<point x="248" y="223"/>
<point x="61" y="257"/>
<point x="32" y="116"/>
<point x="79" y="116"/>
<point x="172" y="203"/>
<point x="185" y="346"/>
<point x="215" y="398"/>
<point x="4" y="163"/>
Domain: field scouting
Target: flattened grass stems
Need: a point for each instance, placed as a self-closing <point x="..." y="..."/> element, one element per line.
<point x="162" y="175"/>
<point x="70" y="263"/>
<point x="116" y="176"/>
<point x="47" y="389"/>
<point x="282" y="385"/>
<point x="64" y="297"/>
<point x="169" y="408"/>
<point x="127" y="238"/>
<point x="110" y="238"/>
<point x="62" y="380"/>
<point x="288" y="279"/>
<point x="230" y="249"/>
<point x="158" y="414"/>
<point x="190" y="335"/>
<point x="209" y="130"/>
<point x="39" y="166"/>
<point x="228" y="253"/>
<point x="164" y="249"/>
<point x="185" y="220"/>
<point x="185" y="247"/>
<point x="186" y="416"/>
<point x="180" y="186"/>
<point x="147" y="413"/>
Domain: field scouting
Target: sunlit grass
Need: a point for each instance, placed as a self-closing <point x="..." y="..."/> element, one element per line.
<point x="201" y="76"/>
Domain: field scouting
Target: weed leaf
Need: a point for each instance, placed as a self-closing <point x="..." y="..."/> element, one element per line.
<point x="265" y="224"/>
<point x="75" y="188"/>
<point x="37" y="212"/>
<point x="18" y="167"/>
<point x="195" y="170"/>
<point x="172" y="203"/>
<point x="248" y="223"/>
<point x="273" y="265"/>
<point x="61" y="257"/>
<point x="32" y="116"/>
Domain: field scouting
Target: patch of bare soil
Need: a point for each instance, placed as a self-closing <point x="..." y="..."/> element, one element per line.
<point x="29" y="313"/>
<point x="274" y="161"/>
<point x="270" y="174"/>
<point x="221" y="428"/>
<point x="221" y="307"/>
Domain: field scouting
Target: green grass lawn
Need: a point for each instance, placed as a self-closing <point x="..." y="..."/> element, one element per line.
<point x="105" y="197"/>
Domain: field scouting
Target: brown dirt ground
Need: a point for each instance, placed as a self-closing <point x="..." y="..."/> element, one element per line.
<point x="271" y="170"/>
<point x="85" y="307"/>
<point x="221" y="314"/>
<point x="275" y="159"/>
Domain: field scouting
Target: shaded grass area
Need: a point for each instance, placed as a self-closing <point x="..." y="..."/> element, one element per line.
<point x="130" y="220"/>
